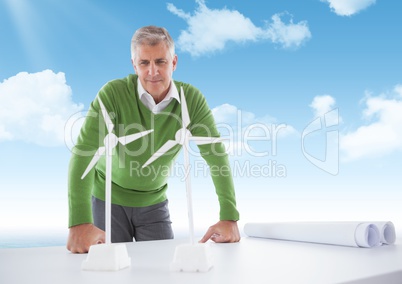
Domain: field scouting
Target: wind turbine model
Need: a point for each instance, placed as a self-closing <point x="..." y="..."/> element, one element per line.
<point x="191" y="257"/>
<point x="108" y="256"/>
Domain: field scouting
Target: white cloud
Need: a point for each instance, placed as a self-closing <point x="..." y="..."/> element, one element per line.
<point x="348" y="7"/>
<point x="383" y="135"/>
<point x="244" y="129"/>
<point x="322" y="104"/>
<point x="209" y="30"/>
<point x="236" y="118"/>
<point x="398" y="90"/>
<point x="288" y="35"/>
<point x="34" y="107"/>
<point x="231" y="115"/>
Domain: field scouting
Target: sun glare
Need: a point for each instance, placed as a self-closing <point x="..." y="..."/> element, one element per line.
<point x="26" y="21"/>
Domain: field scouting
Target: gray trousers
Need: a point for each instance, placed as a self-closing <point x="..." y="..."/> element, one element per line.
<point x="141" y="223"/>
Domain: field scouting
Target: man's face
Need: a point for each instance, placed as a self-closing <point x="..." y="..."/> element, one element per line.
<point x="154" y="66"/>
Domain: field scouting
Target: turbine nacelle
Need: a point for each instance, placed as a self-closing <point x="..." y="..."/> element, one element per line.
<point x="182" y="136"/>
<point x="110" y="141"/>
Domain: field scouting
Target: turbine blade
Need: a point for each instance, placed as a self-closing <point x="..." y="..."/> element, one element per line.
<point x="162" y="150"/>
<point x="106" y="117"/>
<point x="184" y="110"/>
<point x="130" y="138"/>
<point x="205" y="140"/>
<point x="94" y="160"/>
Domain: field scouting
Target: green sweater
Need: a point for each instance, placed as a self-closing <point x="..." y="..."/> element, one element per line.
<point x="133" y="185"/>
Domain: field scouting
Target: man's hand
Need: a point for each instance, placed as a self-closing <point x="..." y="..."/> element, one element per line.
<point x="222" y="232"/>
<point x="81" y="237"/>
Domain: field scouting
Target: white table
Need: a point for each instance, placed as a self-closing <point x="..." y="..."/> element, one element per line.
<point x="250" y="261"/>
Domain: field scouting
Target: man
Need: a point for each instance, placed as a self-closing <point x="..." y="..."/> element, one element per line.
<point x="146" y="100"/>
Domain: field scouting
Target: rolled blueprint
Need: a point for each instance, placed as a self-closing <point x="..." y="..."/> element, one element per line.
<point x="355" y="234"/>
<point x="387" y="232"/>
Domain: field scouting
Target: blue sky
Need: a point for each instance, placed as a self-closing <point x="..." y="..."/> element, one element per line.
<point x="262" y="66"/>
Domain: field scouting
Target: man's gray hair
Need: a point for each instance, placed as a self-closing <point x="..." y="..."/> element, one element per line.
<point x="151" y="35"/>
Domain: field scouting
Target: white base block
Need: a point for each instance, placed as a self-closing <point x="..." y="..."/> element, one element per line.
<point x="107" y="257"/>
<point x="192" y="258"/>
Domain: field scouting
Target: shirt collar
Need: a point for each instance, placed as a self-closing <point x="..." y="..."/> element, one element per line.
<point x="173" y="93"/>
